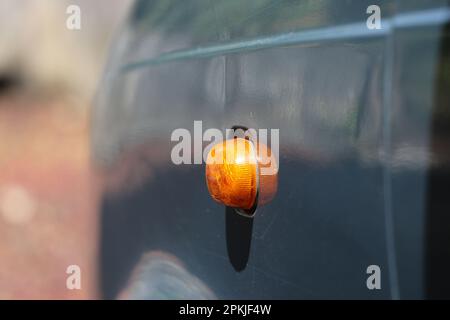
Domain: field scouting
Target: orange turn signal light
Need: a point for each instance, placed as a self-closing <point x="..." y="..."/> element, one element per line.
<point x="234" y="176"/>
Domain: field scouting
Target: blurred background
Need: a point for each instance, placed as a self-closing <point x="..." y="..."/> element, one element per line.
<point x="48" y="193"/>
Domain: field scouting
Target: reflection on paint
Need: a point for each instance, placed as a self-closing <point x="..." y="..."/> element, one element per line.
<point x="159" y="276"/>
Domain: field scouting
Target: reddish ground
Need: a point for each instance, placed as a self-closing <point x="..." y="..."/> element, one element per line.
<point x="48" y="200"/>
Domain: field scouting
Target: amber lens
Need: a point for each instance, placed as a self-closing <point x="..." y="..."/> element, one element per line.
<point x="268" y="174"/>
<point x="231" y="173"/>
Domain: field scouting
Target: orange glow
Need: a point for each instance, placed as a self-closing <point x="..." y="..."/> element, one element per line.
<point x="268" y="174"/>
<point x="231" y="173"/>
<point x="239" y="175"/>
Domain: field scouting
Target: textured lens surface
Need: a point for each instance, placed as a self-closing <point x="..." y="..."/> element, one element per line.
<point x="231" y="173"/>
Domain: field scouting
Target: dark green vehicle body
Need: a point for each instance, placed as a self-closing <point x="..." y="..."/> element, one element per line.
<point x="364" y="126"/>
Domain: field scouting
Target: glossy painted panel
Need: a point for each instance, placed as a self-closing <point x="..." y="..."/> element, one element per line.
<point x="355" y="120"/>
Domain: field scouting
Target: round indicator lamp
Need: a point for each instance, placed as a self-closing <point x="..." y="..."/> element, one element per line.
<point x="241" y="175"/>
